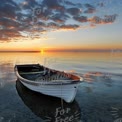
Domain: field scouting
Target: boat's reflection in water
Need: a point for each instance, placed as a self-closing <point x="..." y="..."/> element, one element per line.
<point x="49" y="108"/>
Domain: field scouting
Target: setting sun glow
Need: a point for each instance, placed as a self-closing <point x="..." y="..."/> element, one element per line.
<point x="42" y="51"/>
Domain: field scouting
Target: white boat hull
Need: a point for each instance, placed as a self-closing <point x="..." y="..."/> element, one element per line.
<point x="65" y="92"/>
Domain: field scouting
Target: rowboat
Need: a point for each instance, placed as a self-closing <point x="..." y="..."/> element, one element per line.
<point x="48" y="81"/>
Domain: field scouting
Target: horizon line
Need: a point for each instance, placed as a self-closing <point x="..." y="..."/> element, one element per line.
<point x="66" y="50"/>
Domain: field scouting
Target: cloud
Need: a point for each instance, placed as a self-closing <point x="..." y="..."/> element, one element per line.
<point x="21" y="17"/>
<point x="69" y="3"/>
<point x="90" y="10"/>
<point x="69" y="27"/>
<point x="53" y="4"/>
<point x="89" y="6"/>
<point x="74" y="11"/>
<point x="81" y="18"/>
<point x="8" y="9"/>
<point x="3" y="2"/>
<point x="9" y="29"/>
<point x="5" y="22"/>
<point x="59" y="17"/>
<point x="8" y="34"/>
<point x="52" y="25"/>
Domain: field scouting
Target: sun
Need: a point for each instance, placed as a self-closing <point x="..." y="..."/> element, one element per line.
<point x="42" y="51"/>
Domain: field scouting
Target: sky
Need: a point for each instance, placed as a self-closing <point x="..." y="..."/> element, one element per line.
<point x="54" y="25"/>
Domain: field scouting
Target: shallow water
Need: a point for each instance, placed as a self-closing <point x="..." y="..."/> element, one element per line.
<point x="98" y="98"/>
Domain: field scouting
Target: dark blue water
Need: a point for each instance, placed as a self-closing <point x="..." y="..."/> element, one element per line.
<point x="99" y="97"/>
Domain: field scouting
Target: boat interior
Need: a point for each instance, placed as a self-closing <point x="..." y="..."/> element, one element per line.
<point x="41" y="73"/>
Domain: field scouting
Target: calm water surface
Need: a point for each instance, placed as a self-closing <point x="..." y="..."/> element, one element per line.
<point x="99" y="97"/>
